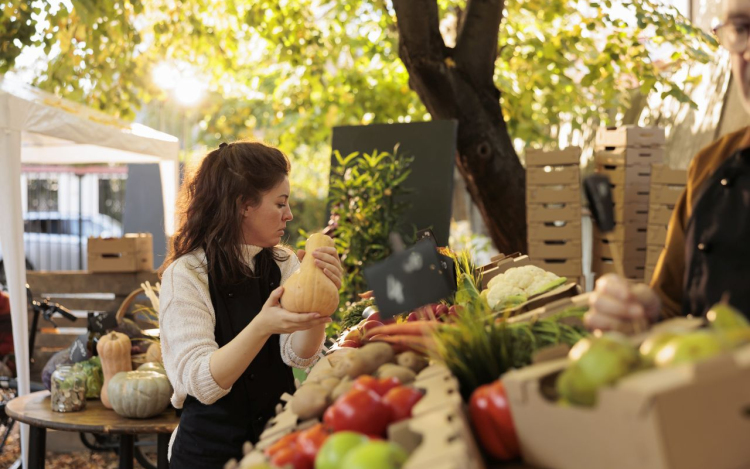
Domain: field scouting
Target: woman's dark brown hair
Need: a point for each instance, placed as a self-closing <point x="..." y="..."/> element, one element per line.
<point x="211" y="203"/>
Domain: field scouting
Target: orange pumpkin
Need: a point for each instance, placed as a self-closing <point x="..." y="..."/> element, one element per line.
<point x="114" y="352"/>
<point x="309" y="290"/>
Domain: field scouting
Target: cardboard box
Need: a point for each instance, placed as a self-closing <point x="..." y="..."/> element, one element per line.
<point x="631" y="232"/>
<point x="653" y="253"/>
<point x="555" y="231"/>
<point x="629" y="156"/>
<point x="553" y="175"/>
<point x="562" y="267"/>
<point x="567" y="156"/>
<point x="620" y="173"/>
<point x="691" y="416"/>
<point x="657" y="235"/>
<point x="630" y="136"/>
<point x="554" y="194"/>
<point x="131" y="253"/>
<point x="662" y="174"/>
<point x="569" y="211"/>
<point x="637" y="213"/>
<point x="666" y="195"/>
<point x="648" y="274"/>
<point x="563" y="249"/>
<point x="628" y="251"/>
<point x="638" y="194"/>
<point x="660" y="214"/>
<point x="603" y="266"/>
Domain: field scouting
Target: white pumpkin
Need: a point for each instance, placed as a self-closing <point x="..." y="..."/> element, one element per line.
<point x="139" y="394"/>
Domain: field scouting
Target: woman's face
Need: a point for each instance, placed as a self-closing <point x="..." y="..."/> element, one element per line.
<point x="738" y="12"/>
<point x="264" y="224"/>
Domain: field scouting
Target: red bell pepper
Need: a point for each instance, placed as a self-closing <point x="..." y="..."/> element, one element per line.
<point x="359" y="410"/>
<point x="281" y="443"/>
<point x="493" y="422"/>
<point x="292" y="456"/>
<point x="310" y="440"/>
<point x="401" y="400"/>
<point x="379" y="385"/>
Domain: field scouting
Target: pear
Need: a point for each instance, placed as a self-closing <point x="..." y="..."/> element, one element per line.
<point x="653" y="344"/>
<point x="690" y="348"/>
<point x="574" y="387"/>
<point x="579" y="348"/>
<point x="723" y="316"/>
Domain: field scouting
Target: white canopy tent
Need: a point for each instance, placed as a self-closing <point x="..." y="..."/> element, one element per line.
<point x="37" y="127"/>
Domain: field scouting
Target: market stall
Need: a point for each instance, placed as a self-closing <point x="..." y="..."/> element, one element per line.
<point x="40" y="128"/>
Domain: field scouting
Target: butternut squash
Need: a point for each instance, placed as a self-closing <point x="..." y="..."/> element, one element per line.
<point x="114" y="352"/>
<point x="309" y="290"/>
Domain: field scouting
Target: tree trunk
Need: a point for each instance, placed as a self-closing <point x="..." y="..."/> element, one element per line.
<point x="458" y="84"/>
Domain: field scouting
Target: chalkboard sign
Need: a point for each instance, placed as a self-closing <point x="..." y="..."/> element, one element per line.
<point x="78" y="351"/>
<point x="409" y="279"/>
<point x="102" y="322"/>
<point x="433" y="146"/>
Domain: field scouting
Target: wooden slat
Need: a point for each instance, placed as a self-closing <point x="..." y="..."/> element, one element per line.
<point x="88" y="304"/>
<point x="85" y="282"/>
<point x="54" y="340"/>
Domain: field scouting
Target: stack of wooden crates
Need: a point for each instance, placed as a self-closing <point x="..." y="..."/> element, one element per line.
<point x="553" y="207"/>
<point x="666" y="187"/>
<point x="625" y="155"/>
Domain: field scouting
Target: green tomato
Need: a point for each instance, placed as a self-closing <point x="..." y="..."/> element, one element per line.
<point x="336" y="447"/>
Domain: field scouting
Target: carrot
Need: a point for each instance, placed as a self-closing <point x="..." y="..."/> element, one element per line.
<point x="402" y="343"/>
<point x="405" y="328"/>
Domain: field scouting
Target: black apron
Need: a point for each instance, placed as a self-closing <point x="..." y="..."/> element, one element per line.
<point x="209" y="435"/>
<point x="717" y="240"/>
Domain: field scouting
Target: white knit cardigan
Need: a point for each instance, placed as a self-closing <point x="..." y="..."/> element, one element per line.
<point x="187" y="321"/>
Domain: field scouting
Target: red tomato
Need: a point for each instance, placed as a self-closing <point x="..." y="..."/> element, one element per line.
<point x="291" y="455"/>
<point x="310" y="440"/>
<point x="379" y="385"/>
<point x="359" y="410"/>
<point x="401" y="400"/>
<point x="354" y="335"/>
<point x="281" y="443"/>
<point x="493" y="422"/>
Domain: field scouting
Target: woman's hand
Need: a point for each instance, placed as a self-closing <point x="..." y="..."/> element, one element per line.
<point x="273" y="319"/>
<point x="327" y="260"/>
<point x="615" y="304"/>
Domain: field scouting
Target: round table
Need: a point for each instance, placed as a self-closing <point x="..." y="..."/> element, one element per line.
<point x="35" y="410"/>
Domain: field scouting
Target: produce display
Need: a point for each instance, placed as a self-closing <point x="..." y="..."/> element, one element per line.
<point x="309" y="289"/>
<point x="518" y="284"/>
<point x="139" y="394"/>
<point x="114" y="351"/>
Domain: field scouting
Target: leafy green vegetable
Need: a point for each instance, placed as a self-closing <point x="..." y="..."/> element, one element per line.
<point x="92" y="368"/>
<point x="353" y="314"/>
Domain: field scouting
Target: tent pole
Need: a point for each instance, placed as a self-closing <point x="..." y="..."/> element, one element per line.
<point x="11" y="237"/>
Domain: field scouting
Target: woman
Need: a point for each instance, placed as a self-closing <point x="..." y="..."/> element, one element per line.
<point x="226" y="342"/>
<point x="707" y="253"/>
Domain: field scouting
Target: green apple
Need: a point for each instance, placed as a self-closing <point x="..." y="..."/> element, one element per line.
<point x="375" y="455"/>
<point x="691" y="347"/>
<point x="331" y="455"/>
<point x="722" y="316"/>
<point x="574" y="387"/>
<point x="653" y="344"/>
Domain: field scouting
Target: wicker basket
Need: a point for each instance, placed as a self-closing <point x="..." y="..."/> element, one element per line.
<point x="138" y="359"/>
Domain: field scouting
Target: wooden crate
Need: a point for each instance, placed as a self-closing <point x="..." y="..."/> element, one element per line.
<point x="634" y="194"/>
<point x="563" y="249"/>
<point x="131" y="253"/>
<point x="666" y="194"/>
<point x="629" y="252"/>
<point x="632" y="232"/>
<point x="660" y="214"/>
<point x="553" y="194"/>
<point x="629" y="156"/>
<point x="637" y="213"/>
<point x="630" y="136"/>
<point x="665" y="175"/>
<point x="602" y="266"/>
<point x="567" y="156"/>
<point x="555" y="231"/>
<point x="621" y="174"/>
<point x="553" y="175"/>
<point x="563" y="267"/>
<point x="569" y="211"/>
<point x="657" y="235"/>
<point x="79" y="292"/>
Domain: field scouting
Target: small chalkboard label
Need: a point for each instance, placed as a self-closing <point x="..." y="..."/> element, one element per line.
<point x="426" y="234"/>
<point x="102" y="322"/>
<point x="78" y="351"/>
<point x="409" y="279"/>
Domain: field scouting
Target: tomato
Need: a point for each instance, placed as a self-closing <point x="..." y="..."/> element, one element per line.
<point x="281" y="443"/>
<point x="310" y="440"/>
<point x="292" y="456"/>
<point x="493" y="422"/>
<point x="350" y="343"/>
<point x="375" y="317"/>
<point x="359" y="410"/>
<point x="354" y="335"/>
<point x="441" y="310"/>
<point x="401" y="400"/>
<point x="379" y="385"/>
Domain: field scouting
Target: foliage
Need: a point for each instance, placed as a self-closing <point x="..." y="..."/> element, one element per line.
<point x="288" y="71"/>
<point x="365" y="196"/>
<point x="478" y="349"/>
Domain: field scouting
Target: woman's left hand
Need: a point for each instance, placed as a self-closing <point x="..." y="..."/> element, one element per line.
<point x="327" y="260"/>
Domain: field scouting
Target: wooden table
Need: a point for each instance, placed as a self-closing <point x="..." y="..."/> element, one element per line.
<point x="35" y="410"/>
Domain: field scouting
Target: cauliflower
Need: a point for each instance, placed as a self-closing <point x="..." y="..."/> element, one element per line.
<point x="522" y="277"/>
<point x="502" y="293"/>
<point x="544" y="282"/>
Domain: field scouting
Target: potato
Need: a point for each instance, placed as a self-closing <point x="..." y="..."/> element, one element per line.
<point x="344" y="386"/>
<point x="339" y="354"/>
<point x="412" y="360"/>
<point x="352" y="366"/>
<point x="376" y="354"/>
<point x="402" y="373"/>
<point x="310" y="401"/>
<point x="330" y="384"/>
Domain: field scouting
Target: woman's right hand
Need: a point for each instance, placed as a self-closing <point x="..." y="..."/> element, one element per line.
<point x="615" y="304"/>
<point x="273" y="319"/>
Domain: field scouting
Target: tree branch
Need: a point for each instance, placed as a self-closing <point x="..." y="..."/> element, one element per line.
<point x="476" y="46"/>
<point x="419" y="29"/>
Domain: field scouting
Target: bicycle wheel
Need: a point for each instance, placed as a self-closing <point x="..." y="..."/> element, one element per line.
<point x="145" y="451"/>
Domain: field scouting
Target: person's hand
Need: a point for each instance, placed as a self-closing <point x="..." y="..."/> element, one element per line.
<point x="273" y="319"/>
<point x="616" y="305"/>
<point x="327" y="260"/>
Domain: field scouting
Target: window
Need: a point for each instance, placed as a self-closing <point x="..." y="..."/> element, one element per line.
<point x="42" y="195"/>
